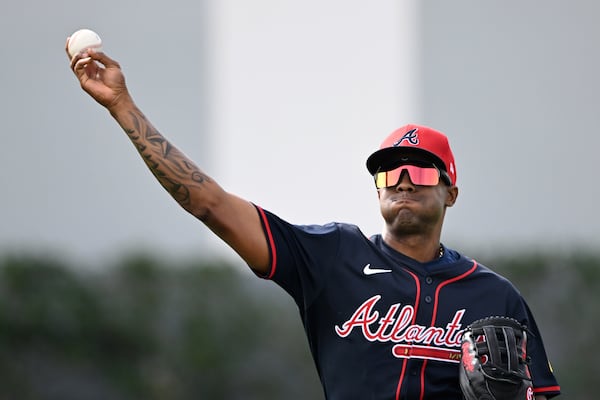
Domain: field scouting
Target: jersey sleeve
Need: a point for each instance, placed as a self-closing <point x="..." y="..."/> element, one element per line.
<point x="301" y="255"/>
<point x="544" y="381"/>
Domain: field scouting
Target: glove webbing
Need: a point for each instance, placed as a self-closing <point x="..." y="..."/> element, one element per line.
<point x="495" y="351"/>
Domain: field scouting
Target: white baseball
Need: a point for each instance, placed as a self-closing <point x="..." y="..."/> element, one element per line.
<point x="83" y="39"/>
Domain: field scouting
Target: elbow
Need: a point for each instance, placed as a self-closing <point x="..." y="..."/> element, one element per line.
<point x="203" y="215"/>
<point x="205" y="209"/>
<point x="203" y="212"/>
<point x="202" y="202"/>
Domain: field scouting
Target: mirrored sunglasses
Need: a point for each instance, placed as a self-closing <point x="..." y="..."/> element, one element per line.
<point x="422" y="176"/>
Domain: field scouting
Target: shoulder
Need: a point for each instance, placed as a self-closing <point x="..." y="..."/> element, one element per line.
<point x="333" y="236"/>
<point x="482" y="272"/>
<point x="311" y="229"/>
<point x="497" y="282"/>
<point x="487" y="271"/>
<point x="340" y="227"/>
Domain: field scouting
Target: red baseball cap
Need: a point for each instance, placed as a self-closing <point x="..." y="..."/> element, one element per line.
<point x="416" y="140"/>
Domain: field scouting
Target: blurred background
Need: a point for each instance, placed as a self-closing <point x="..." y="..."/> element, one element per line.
<point x="108" y="287"/>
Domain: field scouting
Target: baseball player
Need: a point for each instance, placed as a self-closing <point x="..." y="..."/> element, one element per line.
<point x="384" y="315"/>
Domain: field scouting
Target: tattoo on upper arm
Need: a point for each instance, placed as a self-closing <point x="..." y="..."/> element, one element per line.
<point x="173" y="169"/>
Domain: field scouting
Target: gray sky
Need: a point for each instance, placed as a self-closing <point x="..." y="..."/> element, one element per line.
<point x="259" y="91"/>
<point x="516" y="85"/>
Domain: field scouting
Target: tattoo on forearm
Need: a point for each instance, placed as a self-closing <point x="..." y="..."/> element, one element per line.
<point x="176" y="173"/>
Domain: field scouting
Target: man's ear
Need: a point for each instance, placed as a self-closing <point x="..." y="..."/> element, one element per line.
<point x="452" y="195"/>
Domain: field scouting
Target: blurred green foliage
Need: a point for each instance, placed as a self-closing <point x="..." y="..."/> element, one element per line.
<point x="144" y="330"/>
<point x="147" y="329"/>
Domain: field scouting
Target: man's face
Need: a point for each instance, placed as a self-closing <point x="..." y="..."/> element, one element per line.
<point x="410" y="208"/>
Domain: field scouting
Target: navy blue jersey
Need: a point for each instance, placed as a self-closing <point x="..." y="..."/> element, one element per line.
<point x="381" y="325"/>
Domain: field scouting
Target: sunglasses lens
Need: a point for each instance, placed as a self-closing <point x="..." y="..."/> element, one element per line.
<point x="387" y="178"/>
<point x="418" y="175"/>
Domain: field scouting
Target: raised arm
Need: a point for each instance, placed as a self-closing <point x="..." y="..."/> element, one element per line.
<point x="234" y="220"/>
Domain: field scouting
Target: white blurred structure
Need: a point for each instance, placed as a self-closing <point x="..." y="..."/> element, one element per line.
<point x="283" y="101"/>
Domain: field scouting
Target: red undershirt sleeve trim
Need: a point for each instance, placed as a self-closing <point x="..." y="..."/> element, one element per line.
<point x="270" y="242"/>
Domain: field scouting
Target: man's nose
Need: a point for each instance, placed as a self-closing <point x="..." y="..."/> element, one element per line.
<point x="405" y="184"/>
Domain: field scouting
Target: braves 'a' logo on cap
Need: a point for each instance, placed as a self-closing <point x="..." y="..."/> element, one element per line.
<point x="411" y="137"/>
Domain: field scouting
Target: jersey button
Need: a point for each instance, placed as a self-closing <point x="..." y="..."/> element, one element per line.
<point x="429" y="280"/>
<point x="427" y="299"/>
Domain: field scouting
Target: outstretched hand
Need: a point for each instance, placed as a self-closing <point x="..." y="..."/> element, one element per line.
<point x="101" y="77"/>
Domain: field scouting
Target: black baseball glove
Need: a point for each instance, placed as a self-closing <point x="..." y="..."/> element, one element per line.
<point x="494" y="361"/>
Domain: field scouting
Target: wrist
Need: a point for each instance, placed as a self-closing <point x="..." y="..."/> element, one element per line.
<point x="124" y="103"/>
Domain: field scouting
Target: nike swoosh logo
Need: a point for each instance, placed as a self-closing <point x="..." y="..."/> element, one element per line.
<point x="372" y="271"/>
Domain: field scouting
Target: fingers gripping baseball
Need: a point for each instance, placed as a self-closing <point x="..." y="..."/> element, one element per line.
<point x="101" y="77"/>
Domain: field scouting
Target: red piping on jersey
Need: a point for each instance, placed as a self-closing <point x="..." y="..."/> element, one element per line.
<point x="433" y="318"/>
<point x="418" y="284"/>
<point x="271" y="242"/>
<point x="441" y="285"/>
<point x="546" y="389"/>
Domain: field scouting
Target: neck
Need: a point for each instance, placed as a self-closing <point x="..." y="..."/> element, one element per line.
<point x="418" y="248"/>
